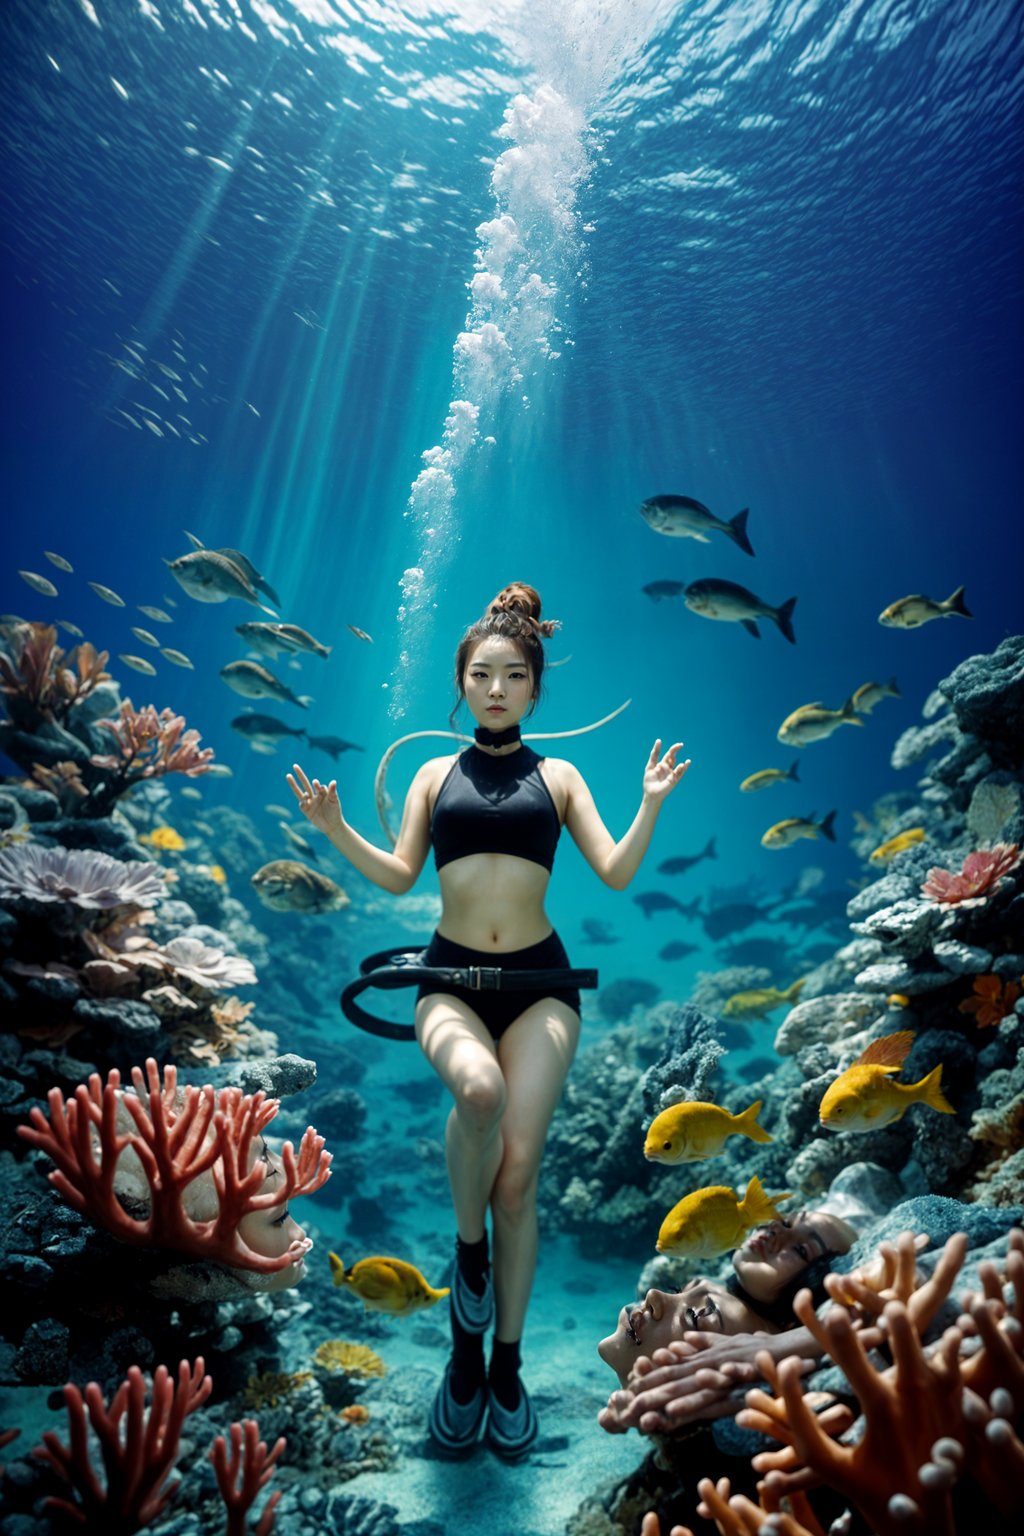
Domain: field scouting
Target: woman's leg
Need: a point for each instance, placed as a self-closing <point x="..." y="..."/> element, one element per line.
<point x="462" y="1052"/>
<point x="535" y="1054"/>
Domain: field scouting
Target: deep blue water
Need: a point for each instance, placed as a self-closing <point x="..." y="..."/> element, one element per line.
<point x="788" y="280"/>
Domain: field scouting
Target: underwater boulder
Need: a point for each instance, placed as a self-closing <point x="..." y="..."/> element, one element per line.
<point x="987" y="696"/>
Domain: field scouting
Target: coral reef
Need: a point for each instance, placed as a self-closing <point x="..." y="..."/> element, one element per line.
<point x="83" y="879"/>
<point x="979" y="876"/>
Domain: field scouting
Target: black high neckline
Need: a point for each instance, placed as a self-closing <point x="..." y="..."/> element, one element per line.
<point x="487" y="738"/>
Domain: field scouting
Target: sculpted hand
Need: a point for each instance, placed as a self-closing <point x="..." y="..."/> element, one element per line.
<point x="318" y="802"/>
<point x="652" y="1527"/>
<point x="663" y="774"/>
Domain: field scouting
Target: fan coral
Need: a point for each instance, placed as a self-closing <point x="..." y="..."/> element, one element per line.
<point x="977" y="879"/>
<point x="35" y="682"/>
<point x="991" y="1001"/>
<point x="148" y="745"/>
<point x="353" y="1359"/>
<point x="81" y="877"/>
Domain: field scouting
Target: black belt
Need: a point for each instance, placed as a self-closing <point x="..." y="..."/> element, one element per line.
<point x="389" y="969"/>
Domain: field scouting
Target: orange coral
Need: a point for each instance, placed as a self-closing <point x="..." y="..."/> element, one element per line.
<point x="978" y="877"/>
<point x="355" y="1413"/>
<point x="991" y="1001"/>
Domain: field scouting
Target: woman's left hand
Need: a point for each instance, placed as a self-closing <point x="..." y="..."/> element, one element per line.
<point x="662" y="774"/>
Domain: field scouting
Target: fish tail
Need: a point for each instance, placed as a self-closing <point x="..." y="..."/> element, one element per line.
<point x="747" y="1124"/>
<point x="792" y="993"/>
<point x="337" y="1269"/>
<point x="929" y="1091"/>
<point x="710" y="851"/>
<point x="784" y="619"/>
<point x="738" y="530"/>
<point x="305" y="699"/>
<point x="827" y="827"/>
<point x="893" y="686"/>
<point x="955" y="604"/>
<point x="849" y="712"/>
<point x="757" y="1206"/>
<point x="792" y="774"/>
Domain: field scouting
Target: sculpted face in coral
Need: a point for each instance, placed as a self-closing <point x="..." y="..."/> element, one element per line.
<point x="272" y="1232"/>
<point x="662" y="1316"/>
<point x="774" y="1255"/>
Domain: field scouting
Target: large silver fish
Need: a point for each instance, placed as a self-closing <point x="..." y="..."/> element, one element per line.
<point x="254" y="682"/>
<point x="715" y="599"/>
<point x="680" y="517"/>
<point x="211" y="577"/>
<point x="245" y="565"/>
<point x="269" y="639"/>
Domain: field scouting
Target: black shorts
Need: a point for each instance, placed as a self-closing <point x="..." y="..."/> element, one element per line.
<point x="500" y="1009"/>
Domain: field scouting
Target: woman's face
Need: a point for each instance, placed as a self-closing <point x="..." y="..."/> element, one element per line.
<point x="271" y="1233"/>
<point x="662" y="1316"/>
<point x="498" y="683"/>
<point x="773" y="1255"/>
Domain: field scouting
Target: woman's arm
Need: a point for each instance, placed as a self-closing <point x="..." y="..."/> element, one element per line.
<point x="396" y="872"/>
<point x="617" y="862"/>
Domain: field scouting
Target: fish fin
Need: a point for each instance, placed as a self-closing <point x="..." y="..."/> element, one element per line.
<point x="710" y="851"/>
<point x="747" y="1123"/>
<point x="264" y="586"/>
<point x="849" y="713"/>
<point x="955" y="604"/>
<point x="890" y="1051"/>
<point x="784" y="619"/>
<point x="929" y="1091"/>
<point x="894" y="689"/>
<point x="263" y="748"/>
<point x="264" y="609"/>
<point x="305" y="699"/>
<point x="792" y="774"/>
<point x="196" y="543"/>
<point x="758" y="1206"/>
<point x="337" y="1269"/>
<point x="827" y="827"/>
<point x="792" y="993"/>
<point x="738" y="530"/>
<point x="751" y="628"/>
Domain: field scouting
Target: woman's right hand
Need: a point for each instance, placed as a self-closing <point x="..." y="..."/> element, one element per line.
<point x="318" y="802"/>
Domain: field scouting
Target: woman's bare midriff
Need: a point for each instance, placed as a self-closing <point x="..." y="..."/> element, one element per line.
<point x="493" y="901"/>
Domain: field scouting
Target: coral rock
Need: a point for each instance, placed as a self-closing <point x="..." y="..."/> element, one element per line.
<point x="827" y="1019"/>
<point x="987" y="695"/>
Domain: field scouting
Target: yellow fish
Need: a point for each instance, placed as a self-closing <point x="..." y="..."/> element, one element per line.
<point x="686" y="1133"/>
<point x="863" y="1099"/>
<point x="869" y="694"/>
<point x="768" y="776"/>
<point x="387" y="1285"/>
<point x="218" y="874"/>
<point x="911" y="612"/>
<point x="760" y="1001"/>
<point x="813" y="722"/>
<point x="888" y="850"/>
<point x="785" y="833"/>
<point x="715" y="1220"/>
<point x="165" y="838"/>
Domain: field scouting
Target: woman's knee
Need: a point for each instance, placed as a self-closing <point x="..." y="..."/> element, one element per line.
<point x="480" y="1099"/>
<point x="515" y="1188"/>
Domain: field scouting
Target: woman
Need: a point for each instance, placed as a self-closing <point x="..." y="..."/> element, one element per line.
<point x="493" y="814"/>
<point x="775" y="1262"/>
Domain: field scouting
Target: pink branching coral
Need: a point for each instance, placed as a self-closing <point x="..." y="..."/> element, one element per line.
<point x="149" y="745"/>
<point x="177" y="1136"/>
<point x="137" y="1458"/>
<point x="977" y="879"/>
<point x="37" y="682"/>
<point x="248" y="1455"/>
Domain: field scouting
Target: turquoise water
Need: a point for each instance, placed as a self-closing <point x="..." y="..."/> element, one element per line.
<point x="763" y="255"/>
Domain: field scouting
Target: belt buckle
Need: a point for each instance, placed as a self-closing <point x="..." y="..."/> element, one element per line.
<point x="485" y="978"/>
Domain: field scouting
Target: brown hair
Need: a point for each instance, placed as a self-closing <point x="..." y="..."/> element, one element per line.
<point x="514" y="615"/>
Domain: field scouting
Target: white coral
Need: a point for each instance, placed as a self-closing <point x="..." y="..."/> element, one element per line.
<point x="79" y="877"/>
<point x="207" y="967"/>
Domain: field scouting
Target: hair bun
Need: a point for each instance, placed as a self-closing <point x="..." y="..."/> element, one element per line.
<point x="524" y="601"/>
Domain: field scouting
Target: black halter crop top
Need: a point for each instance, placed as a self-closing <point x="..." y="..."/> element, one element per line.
<point x="495" y="805"/>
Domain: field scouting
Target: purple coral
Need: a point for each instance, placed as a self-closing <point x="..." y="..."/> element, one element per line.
<point x="206" y="966"/>
<point x="976" y="880"/>
<point x="78" y="877"/>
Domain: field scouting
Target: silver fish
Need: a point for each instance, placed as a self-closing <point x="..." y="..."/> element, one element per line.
<point x="211" y="577"/>
<point x="716" y="599"/>
<point x="263" y="732"/>
<point x="38" y="583"/>
<point x="680" y="517"/>
<point x="269" y="639"/>
<point x="280" y="811"/>
<point x="58" y="561"/>
<point x="177" y="658"/>
<point x="254" y="682"/>
<point x="156" y="614"/>
<point x="70" y="629"/>
<point x="107" y="595"/>
<point x="245" y="565"/>
<point x="298" y="842"/>
<point x="191" y="794"/>
<point x="911" y="612"/>
<point x="219" y="771"/>
<point x="145" y="636"/>
<point x="139" y="664"/>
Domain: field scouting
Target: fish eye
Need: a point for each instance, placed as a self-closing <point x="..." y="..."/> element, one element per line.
<point x="668" y="1146"/>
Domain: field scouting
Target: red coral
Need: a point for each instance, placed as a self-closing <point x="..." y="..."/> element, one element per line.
<point x="148" y="746"/>
<point x="37" y="683"/>
<point x="177" y="1137"/>
<point x="257" y="1468"/>
<point x="980" y="874"/>
<point x="991" y="1001"/>
<point x="138" y="1461"/>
